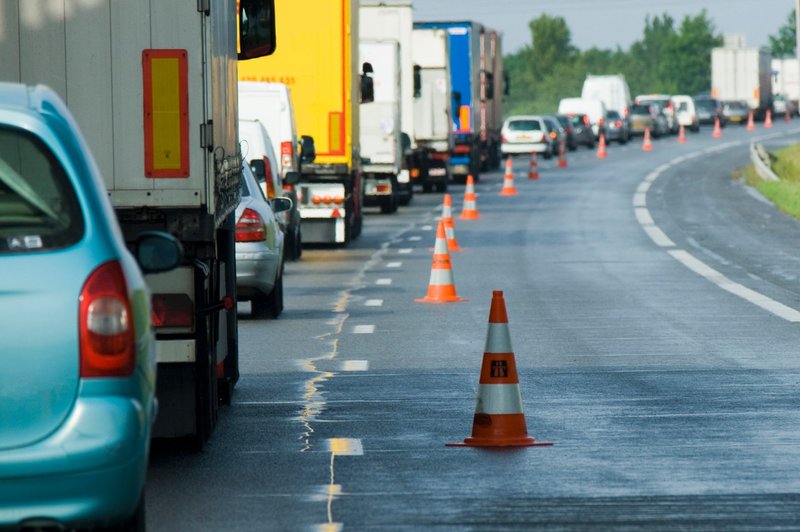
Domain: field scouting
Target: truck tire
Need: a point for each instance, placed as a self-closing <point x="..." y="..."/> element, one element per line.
<point x="389" y="204"/>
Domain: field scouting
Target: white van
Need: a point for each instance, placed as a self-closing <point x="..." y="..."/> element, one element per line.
<point x="612" y="90"/>
<point x="686" y="112"/>
<point x="271" y="103"/>
<point x="258" y="152"/>
<point x="592" y="107"/>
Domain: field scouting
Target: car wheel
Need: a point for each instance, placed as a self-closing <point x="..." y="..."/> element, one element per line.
<point x="259" y="306"/>
<point x="297" y="245"/>
<point x="137" y="522"/>
<point x="276" y="298"/>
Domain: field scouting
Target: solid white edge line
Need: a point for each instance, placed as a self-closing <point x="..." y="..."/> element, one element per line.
<point x="756" y="298"/>
<point x="658" y="236"/>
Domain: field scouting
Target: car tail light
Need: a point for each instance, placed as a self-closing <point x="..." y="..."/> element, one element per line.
<point x="105" y="328"/>
<point x="553" y="135"/>
<point x="250" y="227"/>
<point x="619" y="123"/>
<point x="462" y="148"/>
<point x="585" y="120"/>
<point x="288" y="188"/>
<point x="503" y="138"/>
<point x="172" y="310"/>
<point x="269" y="179"/>
<point x="287" y="154"/>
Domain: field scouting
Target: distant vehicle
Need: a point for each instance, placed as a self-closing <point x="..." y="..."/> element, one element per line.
<point x="523" y="134"/>
<point x="582" y="129"/>
<point x="79" y="394"/>
<point x="736" y="112"/>
<point x="612" y="90"/>
<point x="642" y="117"/>
<point x="257" y="148"/>
<point x="259" y="248"/>
<point x="780" y="104"/>
<point x="666" y="105"/>
<point x="569" y="131"/>
<point x="708" y="110"/>
<point x="271" y="104"/>
<point x="686" y="112"/>
<point x="740" y="73"/>
<point x="786" y="81"/>
<point x="661" y="123"/>
<point x="594" y="108"/>
<point x="617" y="129"/>
<point x="556" y="132"/>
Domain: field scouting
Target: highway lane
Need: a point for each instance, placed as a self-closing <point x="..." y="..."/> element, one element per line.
<point x="671" y="402"/>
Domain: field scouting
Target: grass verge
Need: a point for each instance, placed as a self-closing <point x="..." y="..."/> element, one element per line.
<point x="785" y="193"/>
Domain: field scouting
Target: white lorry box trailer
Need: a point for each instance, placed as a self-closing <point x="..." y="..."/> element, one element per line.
<point x="786" y="78"/>
<point x="739" y="73"/>
<point x="379" y="126"/>
<point x="433" y="122"/>
<point x="152" y="86"/>
<point x="392" y="20"/>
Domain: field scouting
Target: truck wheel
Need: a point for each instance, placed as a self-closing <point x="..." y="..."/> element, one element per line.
<point x="441" y="187"/>
<point x="389" y="204"/>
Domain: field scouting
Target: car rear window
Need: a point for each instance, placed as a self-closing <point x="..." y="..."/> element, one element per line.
<point x="39" y="210"/>
<point x="524" y="125"/>
<point x="640" y="110"/>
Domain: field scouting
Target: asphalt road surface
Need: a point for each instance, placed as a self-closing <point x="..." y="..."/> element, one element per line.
<point x="653" y="303"/>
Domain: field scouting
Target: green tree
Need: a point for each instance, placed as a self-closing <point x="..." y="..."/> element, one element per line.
<point x="784" y="43"/>
<point x="685" y="66"/>
<point x="642" y="69"/>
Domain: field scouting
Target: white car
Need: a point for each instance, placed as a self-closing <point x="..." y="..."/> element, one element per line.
<point x="523" y="134"/>
<point x="259" y="248"/>
<point x="686" y="112"/>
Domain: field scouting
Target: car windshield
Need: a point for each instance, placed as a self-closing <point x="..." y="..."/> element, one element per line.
<point x="524" y="125"/>
<point x="706" y="105"/>
<point x="38" y="207"/>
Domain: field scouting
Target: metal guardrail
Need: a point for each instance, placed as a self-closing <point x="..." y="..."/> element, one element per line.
<point x="762" y="162"/>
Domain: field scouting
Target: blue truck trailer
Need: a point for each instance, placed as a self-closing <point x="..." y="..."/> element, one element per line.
<point x="477" y="89"/>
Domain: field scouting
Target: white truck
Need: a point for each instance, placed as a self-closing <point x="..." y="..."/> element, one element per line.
<point x="433" y="131"/>
<point x="153" y="88"/>
<point x="611" y="89"/>
<point x="741" y="73"/>
<point x="391" y="20"/>
<point x="379" y="128"/>
<point x="786" y="82"/>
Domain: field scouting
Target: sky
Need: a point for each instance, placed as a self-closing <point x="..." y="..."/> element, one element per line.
<point x="607" y="24"/>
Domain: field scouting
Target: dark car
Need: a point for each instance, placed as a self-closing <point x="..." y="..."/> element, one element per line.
<point x="708" y="110"/>
<point x="582" y="129"/>
<point x="566" y="125"/>
<point x="616" y="128"/>
<point x="735" y="112"/>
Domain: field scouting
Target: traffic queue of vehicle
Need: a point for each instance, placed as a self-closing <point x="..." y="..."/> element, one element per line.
<point x="175" y="190"/>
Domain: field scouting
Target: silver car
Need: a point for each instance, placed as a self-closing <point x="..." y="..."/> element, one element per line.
<point x="259" y="248"/>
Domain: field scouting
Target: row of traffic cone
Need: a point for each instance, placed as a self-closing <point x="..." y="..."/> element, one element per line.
<point x="499" y="420"/>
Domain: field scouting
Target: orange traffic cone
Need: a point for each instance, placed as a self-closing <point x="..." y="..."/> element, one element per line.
<point x="681" y="134"/>
<point x="768" y="119"/>
<point x="449" y="225"/>
<point x="562" y="155"/>
<point x="717" y="133"/>
<point x="751" y="126"/>
<point x="469" y="211"/>
<point x="601" y="147"/>
<point x="647" y="144"/>
<point x="533" y="173"/>
<point x="508" y="181"/>
<point x="441" y="288"/>
<point x="499" y="420"/>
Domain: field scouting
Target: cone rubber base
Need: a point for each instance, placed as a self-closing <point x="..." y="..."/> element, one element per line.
<point x="493" y="442"/>
<point x="509" y="192"/>
<point x="469" y="217"/>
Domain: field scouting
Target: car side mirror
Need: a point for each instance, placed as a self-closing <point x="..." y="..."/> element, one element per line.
<point x="307" y="150"/>
<point x="157" y="251"/>
<point x="281" y="204"/>
<point x="256" y="28"/>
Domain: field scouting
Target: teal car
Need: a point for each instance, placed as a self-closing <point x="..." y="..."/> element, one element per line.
<point x="77" y="399"/>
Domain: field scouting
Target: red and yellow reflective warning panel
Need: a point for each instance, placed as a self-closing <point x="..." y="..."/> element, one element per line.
<point x="166" y="113"/>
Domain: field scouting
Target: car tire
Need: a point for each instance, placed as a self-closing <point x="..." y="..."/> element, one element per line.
<point x="259" y="306"/>
<point x="269" y="306"/>
<point x="137" y="521"/>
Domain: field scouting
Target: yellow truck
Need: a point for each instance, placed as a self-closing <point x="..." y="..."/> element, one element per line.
<point x="318" y="60"/>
